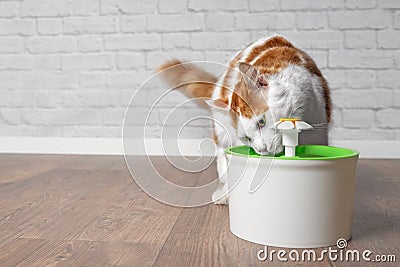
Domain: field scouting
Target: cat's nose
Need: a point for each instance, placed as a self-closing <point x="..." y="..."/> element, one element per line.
<point x="263" y="151"/>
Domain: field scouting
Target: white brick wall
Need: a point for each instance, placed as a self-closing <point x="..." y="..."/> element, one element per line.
<point x="69" y="67"/>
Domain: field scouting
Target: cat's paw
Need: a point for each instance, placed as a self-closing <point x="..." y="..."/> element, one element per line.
<point x="220" y="197"/>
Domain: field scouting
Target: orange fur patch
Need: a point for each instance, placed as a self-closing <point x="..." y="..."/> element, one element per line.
<point x="276" y="59"/>
<point x="274" y="56"/>
<point x="276" y="41"/>
<point x="247" y="103"/>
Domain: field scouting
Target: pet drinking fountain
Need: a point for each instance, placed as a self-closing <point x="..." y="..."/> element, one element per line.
<point x="302" y="198"/>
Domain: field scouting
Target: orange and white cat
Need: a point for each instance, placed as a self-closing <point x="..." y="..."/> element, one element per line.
<point x="270" y="79"/>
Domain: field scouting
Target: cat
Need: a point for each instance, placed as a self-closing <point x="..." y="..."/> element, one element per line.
<point x="270" y="79"/>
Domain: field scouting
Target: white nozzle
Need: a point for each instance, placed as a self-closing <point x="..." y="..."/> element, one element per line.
<point x="290" y="129"/>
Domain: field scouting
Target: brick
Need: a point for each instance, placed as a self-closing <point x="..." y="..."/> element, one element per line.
<point x="187" y="132"/>
<point x="41" y="45"/>
<point x="17" y="99"/>
<point x="47" y="116"/>
<point x="360" y="4"/>
<point x="8" y="9"/>
<point x="374" y="19"/>
<point x="112" y="131"/>
<point x="49" y="26"/>
<point x="311" y="5"/>
<point x="361" y="134"/>
<point x="125" y="96"/>
<point x="316" y="39"/>
<point x="336" y="117"/>
<point x="388" y="79"/>
<point x="46" y="62"/>
<point x="397" y="134"/>
<point x="320" y="58"/>
<point x="16" y="62"/>
<point x="60" y="117"/>
<point x="311" y="21"/>
<point x="126" y="80"/>
<point x="72" y="100"/>
<point x="130" y="61"/>
<point x="140" y="115"/>
<point x="389" y="4"/>
<point x="175" y="40"/>
<point x="397" y="20"/>
<point x="49" y="131"/>
<point x="90" y="43"/>
<point x="262" y="6"/>
<point x="113" y="116"/>
<point x="358" y="118"/>
<point x="222" y="57"/>
<point x="137" y="42"/>
<point x="153" y="60"/>
<point x="166" y="98"/>
<point x="362" y="60"/>
<point x="133" y="23"/>
<point x="82" y="131"/>
<point x="86" y="62"/>
<point x="219" y="22"/>
<point x="10" y="80"/>
<point x="92" y="80"/>
<point x="18" y="130"/>
<point x="17" y="26"/>
<point x="362" y="98"/>
<point x="12" y="44"/>
<point x="128" y="6"/>
<point x="174" y="23"/>
<point x="209" y="5"/>
<point x="88" y="116"/>
<point x="172" y="6"/>
<point x="359" y="39"/>
<point x="178" y="116"/>
<point x="270" y="21"/>
<point x="388" y="118"/>
<point x="48" y="100"/>
<point x="396" y="98"/>
<point x="256" y="35"/>
<point x="79" y="25"/>
<point x="360" y="79"/>
<point x="50" y="80"/>
<point x="219" y="41"/>
<point x="335" y="78"/>
<point x="397" y="59"/>
<point x="98" y="99"/>
<point x="86" y="7"/>
<point x="388" y="39"/>
<point x="45" y="8"/>
<point x="11" y="115"/>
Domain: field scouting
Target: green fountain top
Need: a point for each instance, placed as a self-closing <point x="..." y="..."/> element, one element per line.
<point x="303" y="152"/>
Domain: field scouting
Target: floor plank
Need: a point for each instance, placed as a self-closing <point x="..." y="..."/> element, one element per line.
<point x="87" y="211"/>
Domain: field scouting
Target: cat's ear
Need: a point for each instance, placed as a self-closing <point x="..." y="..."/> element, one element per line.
<point x="217" y="104"/>
<point x="254" y="79"/>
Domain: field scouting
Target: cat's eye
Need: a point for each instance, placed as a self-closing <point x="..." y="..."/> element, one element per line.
<point x="246" y="139"/>
<point x="261" y="122"/>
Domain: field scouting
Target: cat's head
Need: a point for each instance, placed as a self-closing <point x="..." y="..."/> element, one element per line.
<point x="259" y="100"/>
<point x="250" y="113"/>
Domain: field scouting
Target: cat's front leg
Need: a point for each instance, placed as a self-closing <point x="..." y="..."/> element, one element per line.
<point x="220" y="196"/>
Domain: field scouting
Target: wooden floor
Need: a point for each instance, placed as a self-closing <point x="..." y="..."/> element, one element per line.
<point x="87" y="211"/>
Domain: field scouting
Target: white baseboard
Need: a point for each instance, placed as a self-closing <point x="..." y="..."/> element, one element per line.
<point x="189" y="147"/>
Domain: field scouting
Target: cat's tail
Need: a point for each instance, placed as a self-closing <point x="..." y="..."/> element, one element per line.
<point x="189" y="79"/>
